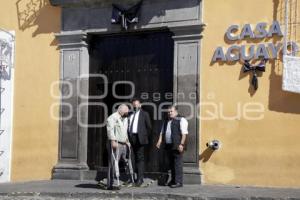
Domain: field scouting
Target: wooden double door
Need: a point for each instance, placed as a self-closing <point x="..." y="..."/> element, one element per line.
<point x="121" y="67"/>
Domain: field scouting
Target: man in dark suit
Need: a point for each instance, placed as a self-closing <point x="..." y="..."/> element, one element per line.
<point x="138" y="131"/>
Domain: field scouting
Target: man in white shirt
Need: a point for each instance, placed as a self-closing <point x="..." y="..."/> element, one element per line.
<point x="139" y="130"/>
<point x="173" y="136"/>
<point x="117" y="125"/>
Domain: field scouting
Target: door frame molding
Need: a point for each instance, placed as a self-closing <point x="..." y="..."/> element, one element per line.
<point x="74" y="38"/>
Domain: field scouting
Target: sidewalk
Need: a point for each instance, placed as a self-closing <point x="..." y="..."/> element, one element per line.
<point x="62" y="189"/>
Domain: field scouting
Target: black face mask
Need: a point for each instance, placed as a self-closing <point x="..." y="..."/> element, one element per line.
<point x="125" y="115"/>
<point x="136" y="109"/>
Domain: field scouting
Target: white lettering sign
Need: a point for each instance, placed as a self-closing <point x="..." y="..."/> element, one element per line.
<point x="249" y="52"/>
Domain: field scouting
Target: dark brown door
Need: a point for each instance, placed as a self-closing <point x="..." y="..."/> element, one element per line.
<point x="146" y="60"/>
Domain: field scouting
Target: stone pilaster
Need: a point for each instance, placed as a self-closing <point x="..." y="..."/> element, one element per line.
<point x="72" y="158"/>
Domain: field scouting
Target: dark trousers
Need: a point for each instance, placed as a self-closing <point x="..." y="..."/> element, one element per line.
<point x="138" y="157"/>
<point x="174" y="163"/>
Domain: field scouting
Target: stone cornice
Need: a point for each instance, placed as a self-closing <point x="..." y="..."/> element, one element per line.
<point x="88" y="3"/>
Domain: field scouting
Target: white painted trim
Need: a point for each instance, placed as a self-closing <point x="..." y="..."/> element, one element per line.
<point x="12" y="102"/>
<point x="11" y="122"/>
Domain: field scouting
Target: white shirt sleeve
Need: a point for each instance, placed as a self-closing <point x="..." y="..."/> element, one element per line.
<point x="184" y="126"/>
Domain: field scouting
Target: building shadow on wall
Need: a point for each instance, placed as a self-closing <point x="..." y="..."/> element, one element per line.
<point x="206" y="155"/>
<point x="38" y="13"/>
<point x="280" y="100"/>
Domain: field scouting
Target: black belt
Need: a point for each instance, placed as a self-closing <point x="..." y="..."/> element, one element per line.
<point x="123" y="143"/>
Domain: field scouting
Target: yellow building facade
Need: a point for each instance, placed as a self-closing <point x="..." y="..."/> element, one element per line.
<point x="34" y="144"/>
<point x="255" y="152"/>
<point x="258" y="130"/>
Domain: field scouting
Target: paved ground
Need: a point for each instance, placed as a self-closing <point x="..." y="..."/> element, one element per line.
<point x="89" y="190"/>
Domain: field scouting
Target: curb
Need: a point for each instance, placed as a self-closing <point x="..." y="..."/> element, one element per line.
<point x="125" y="195"/>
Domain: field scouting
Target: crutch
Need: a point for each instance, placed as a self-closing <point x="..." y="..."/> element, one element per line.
<point x="116" y="164"/>
<point x="129" y="162"/>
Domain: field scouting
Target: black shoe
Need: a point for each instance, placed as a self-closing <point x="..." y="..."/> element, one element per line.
<point x="113" y="188"/>
<point x="163" y="180"/>
<point x="110" y="188"/>
<point x="177" y="185"/>
<point x="139" y="183"/>
<point x="170" y="183"/>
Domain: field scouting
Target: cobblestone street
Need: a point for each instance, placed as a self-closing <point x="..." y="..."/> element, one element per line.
<point x="89" y="190"/>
